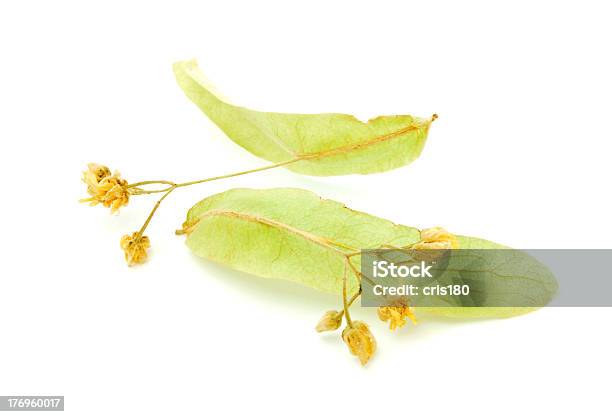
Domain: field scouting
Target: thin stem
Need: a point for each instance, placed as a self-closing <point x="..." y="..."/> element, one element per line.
<point x="350" y="302"/>
<point x="155" y="207"/>
<point x="236" y="174"/>
<point x="344" y="300"/>
<point x="173" y="186"/>
<point x="354" y="297"/>
<point x="138" y="184"/>
<point x="140" y="191"/>
<point x="358" y="274"/>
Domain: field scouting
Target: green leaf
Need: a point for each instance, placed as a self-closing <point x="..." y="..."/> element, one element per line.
<point x="319" y="144"/>
<point x="287" y="233"/>
<point x="293" y="234"/>
<point x="503" y="277"/>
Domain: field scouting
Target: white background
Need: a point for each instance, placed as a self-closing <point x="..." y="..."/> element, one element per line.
<point x="519" y="155"/>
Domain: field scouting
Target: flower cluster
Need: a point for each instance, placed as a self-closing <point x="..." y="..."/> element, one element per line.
<point x="396" y="315"/>
<point x="105" y="188"/>
<point x="436" y="238"/>
<point x="110" y="190"/>
<point x="356" y="334"/>
<point x="135" y="248"/>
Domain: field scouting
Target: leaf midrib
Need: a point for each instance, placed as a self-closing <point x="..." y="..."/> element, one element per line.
<point x="365" y="144"/>
<point x="321" y="241"/>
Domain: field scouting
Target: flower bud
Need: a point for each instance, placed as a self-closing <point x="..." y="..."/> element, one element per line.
<point x="330" y="321"/>
<point x="135" y="248"/>
<point x="434" y="243"/>
<point x="360" y="341"/>
<point x="98" y="171"/>
<point x="437" y="238"/>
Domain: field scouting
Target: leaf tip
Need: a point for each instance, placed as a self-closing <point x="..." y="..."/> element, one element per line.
<point x="185" y="64"/>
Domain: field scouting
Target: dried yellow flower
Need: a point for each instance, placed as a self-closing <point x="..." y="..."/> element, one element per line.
<point x="396" y="315"/>
<point x="360" y="341"/>
<point x="436" y="238"/>
<point x="96" y="172"/>
<point x="106" y="189"/>
<point x="135" y="248"/>
<point x="330" y="321"/>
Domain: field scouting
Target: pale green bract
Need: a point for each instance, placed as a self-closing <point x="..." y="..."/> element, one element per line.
<point x="293" y="234"/>
<point x="320" y="144"/>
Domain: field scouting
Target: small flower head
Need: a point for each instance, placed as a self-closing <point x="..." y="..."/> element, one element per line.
<point x="396" y="315"/>
<point x="95" y="173"/>
<point x="434" y="243"/>
<point x="135" y="248"/>
<point x="360" y="341"/>
<point x="330" y="321"/>
<point x="436" y="238"/>
<point x="105" y="188"/>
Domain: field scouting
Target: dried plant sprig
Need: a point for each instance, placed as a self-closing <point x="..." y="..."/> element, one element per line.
<point x="110" y="190"/>
<point x="317" y="144"/>
<point x="356" y="334"/>
<point x="335" y="231"/>
<point x="316" y="242"/>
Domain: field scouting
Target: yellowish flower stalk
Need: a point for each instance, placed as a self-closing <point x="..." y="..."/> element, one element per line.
<point x="114" y="192"/>
<point x="357" y="334"/>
